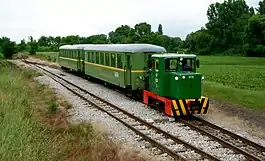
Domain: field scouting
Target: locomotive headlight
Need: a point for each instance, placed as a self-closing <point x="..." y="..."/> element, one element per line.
<point x="176" y="78"/>
<point x="183" y="77"/>
<point x="202" y="77"/>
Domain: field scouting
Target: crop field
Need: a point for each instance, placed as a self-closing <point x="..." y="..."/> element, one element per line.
<point x="239" y="80"/>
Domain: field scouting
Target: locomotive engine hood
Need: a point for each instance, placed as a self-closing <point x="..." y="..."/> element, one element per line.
<point x="185" y="85"/>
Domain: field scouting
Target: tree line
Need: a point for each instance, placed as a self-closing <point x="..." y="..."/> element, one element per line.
<point x="233" y="28"/>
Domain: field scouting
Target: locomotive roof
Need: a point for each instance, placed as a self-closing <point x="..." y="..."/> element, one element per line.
<point x="117" y="47"/>
<point x="174" y="55"/>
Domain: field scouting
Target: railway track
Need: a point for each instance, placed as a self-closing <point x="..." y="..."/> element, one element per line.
<point x="240" y="145"/>
<point x="167" y="143"/>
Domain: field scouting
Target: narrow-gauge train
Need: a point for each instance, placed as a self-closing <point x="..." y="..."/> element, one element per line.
<point x="168" y="81"/>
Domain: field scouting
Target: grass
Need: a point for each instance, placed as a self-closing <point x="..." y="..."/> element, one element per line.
<point x="238" y="80"/>
<point x="49" y="56"/>
<point x="34" y="125"/>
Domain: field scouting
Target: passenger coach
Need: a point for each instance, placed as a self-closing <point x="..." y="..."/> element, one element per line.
<point x="124" y="65"/>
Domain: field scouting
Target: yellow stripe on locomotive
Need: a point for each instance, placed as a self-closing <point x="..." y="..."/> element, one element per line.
<point x="190" y="106"/>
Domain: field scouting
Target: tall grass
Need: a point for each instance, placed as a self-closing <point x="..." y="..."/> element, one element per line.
<point x="33" y="127"/>
<point x="21" y="136"/>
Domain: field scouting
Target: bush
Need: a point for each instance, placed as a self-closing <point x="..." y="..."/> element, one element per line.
<point x="8" y="48"/>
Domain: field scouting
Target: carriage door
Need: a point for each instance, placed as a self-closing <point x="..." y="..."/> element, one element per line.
<point x="127" y="68"/>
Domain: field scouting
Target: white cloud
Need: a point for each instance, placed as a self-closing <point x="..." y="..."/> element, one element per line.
<point x="20" y="19"/>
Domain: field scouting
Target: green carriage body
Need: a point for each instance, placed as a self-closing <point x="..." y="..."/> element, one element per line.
<point x="124" y="65"/>
<point x="71" y="56"/>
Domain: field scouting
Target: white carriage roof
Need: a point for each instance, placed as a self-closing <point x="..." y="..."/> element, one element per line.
<point x="174" y="55"/>
<point x="75" y="46"/>
<point x="117" y="47"/>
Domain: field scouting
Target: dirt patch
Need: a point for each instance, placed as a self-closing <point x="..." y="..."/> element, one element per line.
<point x="237" y="119"/>
<point x="43" y="62"/>
<point x="18" y="58"/>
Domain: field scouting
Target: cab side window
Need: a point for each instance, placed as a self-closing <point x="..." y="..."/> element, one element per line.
<point x="171" y="64"/>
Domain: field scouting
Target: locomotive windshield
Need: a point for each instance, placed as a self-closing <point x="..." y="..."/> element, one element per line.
<point x="188" y="64"/>
<point x="185" y="64"/>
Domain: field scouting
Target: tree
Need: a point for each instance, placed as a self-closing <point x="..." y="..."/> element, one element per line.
<point x="43" y="41"/>
<point x="8" y="47"/>
<point x="261" y="8"/>
<point x="123" y="34"/>
<point x="160" y="29"/>
<point x="22" y="46"/>
<point x="33" y="46"/>
<point x="199" y="42"/>
<point x="256" y="36"/>
<point x="141" y="30"/>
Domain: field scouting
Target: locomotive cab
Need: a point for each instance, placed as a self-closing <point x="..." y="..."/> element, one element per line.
<point x="173" y="77"/>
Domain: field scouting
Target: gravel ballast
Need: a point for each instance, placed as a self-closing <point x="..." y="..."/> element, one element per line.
<point x="80" y="112"/>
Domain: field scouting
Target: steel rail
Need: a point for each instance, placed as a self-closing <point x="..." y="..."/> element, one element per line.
<point x="145" y="137"/>
<point x="223" y="142"/>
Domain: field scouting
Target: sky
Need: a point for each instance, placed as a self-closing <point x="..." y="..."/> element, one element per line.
<point x="22" y="18"/>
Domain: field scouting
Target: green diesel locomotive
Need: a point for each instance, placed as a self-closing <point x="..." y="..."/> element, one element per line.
<point x="167" y="80"/>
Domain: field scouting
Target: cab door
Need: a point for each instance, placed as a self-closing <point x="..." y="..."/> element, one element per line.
<point x="155" y="76"/>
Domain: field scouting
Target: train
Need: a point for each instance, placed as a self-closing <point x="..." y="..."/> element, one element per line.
<point x="167" y="81"/>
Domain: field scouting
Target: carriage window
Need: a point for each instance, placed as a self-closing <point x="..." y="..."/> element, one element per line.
<point x="92" y="58"/>
<point x="102" y="58"/>
<point x="97" y="57"/>
<point x="107" y="59"/>
<point x="87" y="54"/>
<point x="113" y="60"/>
<point x="119" y="62"/>
<point x="171" y="64"/>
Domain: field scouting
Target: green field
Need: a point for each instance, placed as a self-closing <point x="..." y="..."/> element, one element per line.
<point x="239" y="80"/>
